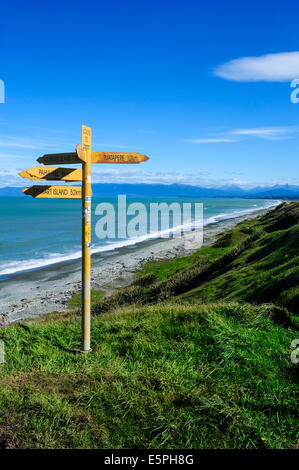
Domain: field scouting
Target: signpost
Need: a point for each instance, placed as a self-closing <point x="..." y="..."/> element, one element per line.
<point x="51" y="173"/>
<point x="86" y="157"/>
<point x="61" y="192"/>
<point x="116" y="157"/>
<point x="96" y="157"/>
<point x="59" y="158"/>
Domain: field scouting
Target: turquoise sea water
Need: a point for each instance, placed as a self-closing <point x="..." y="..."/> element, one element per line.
<point x="40" y="232"/>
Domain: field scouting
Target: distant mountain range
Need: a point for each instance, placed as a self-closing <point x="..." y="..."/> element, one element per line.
<point x="179" y="190"/>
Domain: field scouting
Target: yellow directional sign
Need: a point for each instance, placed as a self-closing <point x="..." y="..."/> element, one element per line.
<point x="96" y="157"/>
<point x="60" y="192"/>
<point x="52" y="173"/>
<point x="118" y="157"/>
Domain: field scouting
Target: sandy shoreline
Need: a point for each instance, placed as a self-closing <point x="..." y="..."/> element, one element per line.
<point x="34" y="293"/>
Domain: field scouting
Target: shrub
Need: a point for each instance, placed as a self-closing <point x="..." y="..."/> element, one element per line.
<point x="145" y="280"/>
<point x="130" y="295"/>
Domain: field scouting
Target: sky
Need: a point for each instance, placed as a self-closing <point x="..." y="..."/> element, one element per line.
<point x="202" y="88"/>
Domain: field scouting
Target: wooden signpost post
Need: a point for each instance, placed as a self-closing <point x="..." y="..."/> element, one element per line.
<point x="86" y="157"/>
<point x="86" y="237"/>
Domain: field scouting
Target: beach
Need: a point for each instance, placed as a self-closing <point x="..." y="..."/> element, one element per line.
<point x="34" y="293"/>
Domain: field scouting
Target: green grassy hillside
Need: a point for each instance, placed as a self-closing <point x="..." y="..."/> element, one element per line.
<point x="267" y="270"/>
<point x="163" y="376"/>
<point x="194" y="354"/>
<point x="258" y="262"/>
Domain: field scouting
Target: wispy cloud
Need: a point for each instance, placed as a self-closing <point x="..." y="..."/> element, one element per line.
<point x="280" y="67"/>
<point x="17" y="145"/>
<point x="210" y="141"/>
<point x="30" y="143"/>
<point x="269" y="133"/>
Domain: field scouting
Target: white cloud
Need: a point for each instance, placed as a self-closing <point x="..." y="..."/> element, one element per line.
<point x="30" y="143"/>
<point x="269" y="133"/>
<point x="41" y="145"/>
<point x="210" y="141"/>
<point x="10" y="178"/>
<point x="17" y="145"/>
<point x="146" y="177"/>
<point x="123" y="176"/>
<point x="280" y="67"/>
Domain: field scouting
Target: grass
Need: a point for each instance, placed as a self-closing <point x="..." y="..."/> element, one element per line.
<point x="164" y="268"/>
<point x="75" y="301"/>
<point x="162" y="376"/>
<point x="268" y="271"/>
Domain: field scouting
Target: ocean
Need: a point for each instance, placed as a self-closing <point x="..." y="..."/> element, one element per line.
<point x="38" y="232"/>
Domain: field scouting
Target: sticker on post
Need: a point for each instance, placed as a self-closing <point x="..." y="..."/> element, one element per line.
<point x="87" y="233"/>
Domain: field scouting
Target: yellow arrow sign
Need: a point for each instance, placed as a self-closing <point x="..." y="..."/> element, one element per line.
<point x="61" y="192"/>
<point x="96" y="157"/>
<point x="59" y="158"/>
<point x="52" y="173"/>
<point x="118" y="157"/>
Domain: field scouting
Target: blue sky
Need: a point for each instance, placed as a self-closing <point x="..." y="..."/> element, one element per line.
<point x="155" y="77"/>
